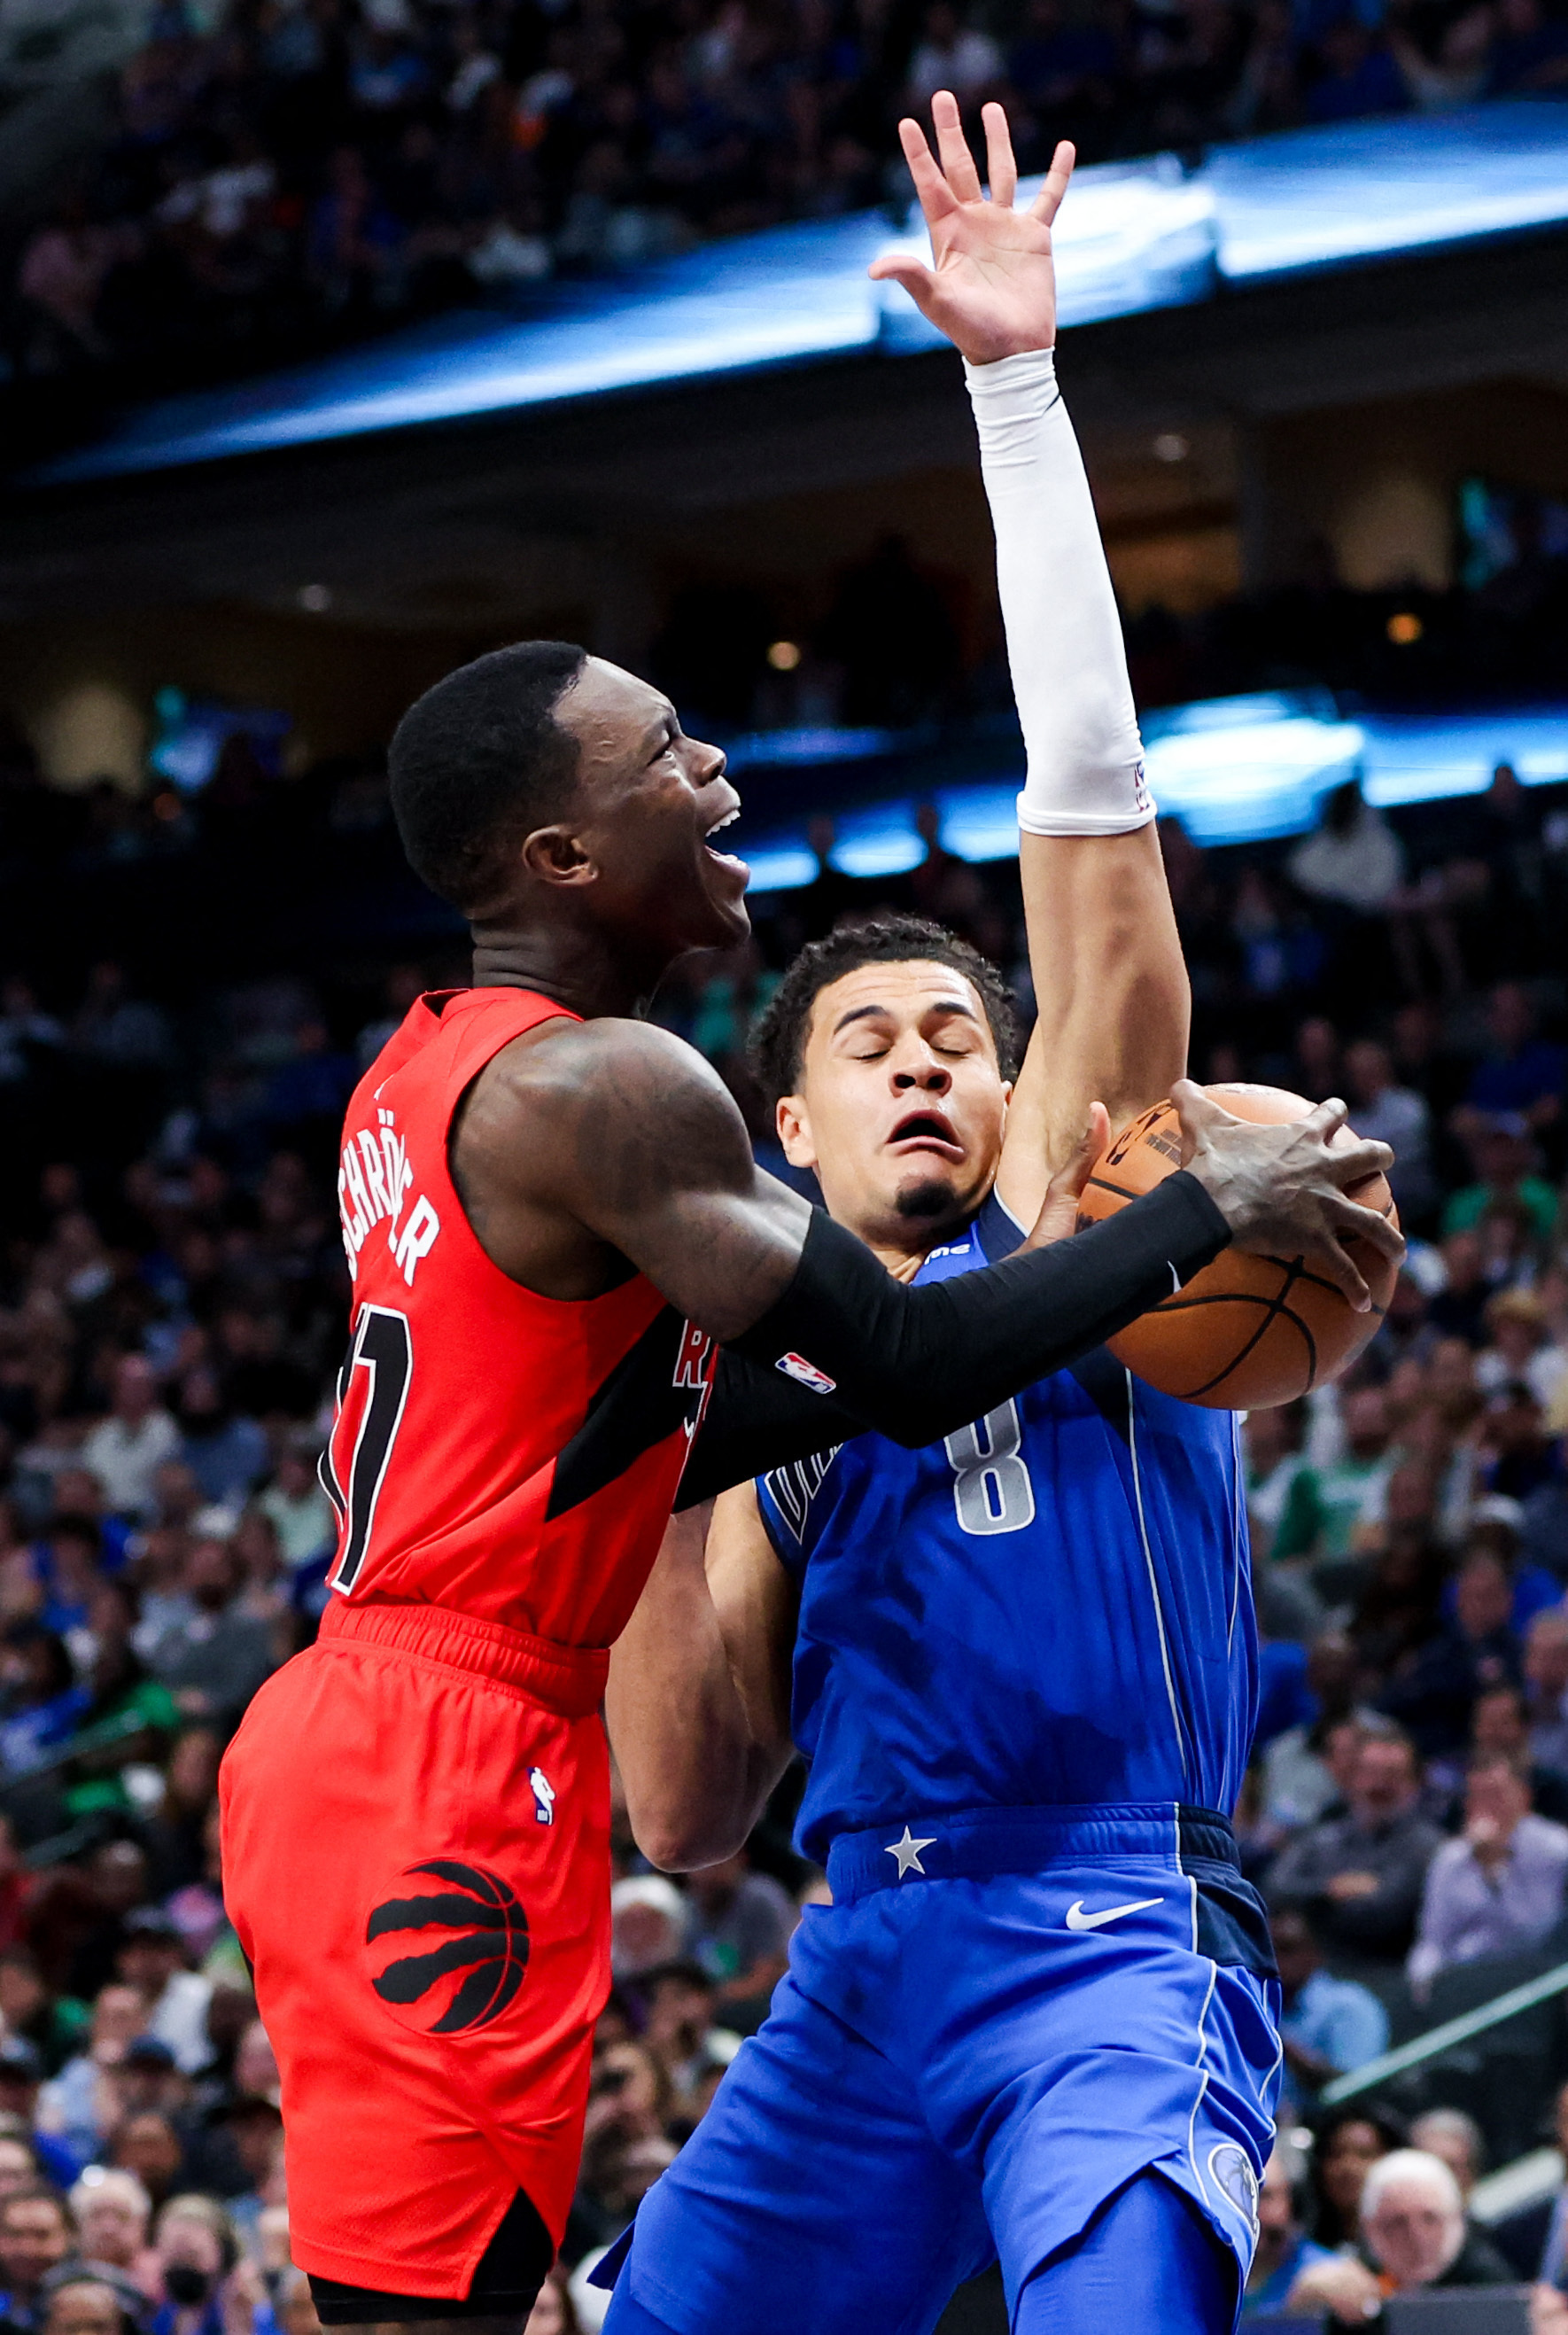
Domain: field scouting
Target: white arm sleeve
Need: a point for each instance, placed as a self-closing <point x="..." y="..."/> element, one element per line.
<point x="1064" y="644"/>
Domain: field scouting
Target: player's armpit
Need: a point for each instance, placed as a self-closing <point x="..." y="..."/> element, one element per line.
<point x="698" y="1700"/>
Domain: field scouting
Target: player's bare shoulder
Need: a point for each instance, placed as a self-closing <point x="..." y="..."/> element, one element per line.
<point x="583" y="1115"/>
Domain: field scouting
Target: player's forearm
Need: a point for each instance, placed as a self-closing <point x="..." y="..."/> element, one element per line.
<point x="1113" y="1004"/>
<point x="1111" y="985"/>
<point x="1064" y="642"/>
<point x="694" y="1776"/>
<point x="916" y="1363"/>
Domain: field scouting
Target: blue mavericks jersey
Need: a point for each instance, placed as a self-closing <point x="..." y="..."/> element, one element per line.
<point x="1052" y="1606"/>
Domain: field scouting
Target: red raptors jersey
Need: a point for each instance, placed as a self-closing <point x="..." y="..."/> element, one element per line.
<point x="497" y="1453"/>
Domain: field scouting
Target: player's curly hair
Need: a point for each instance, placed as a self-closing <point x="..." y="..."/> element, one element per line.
<point x="778" y="1040"/>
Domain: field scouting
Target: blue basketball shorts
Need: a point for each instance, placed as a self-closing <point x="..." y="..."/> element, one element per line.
<point x="1004" y="2018"/>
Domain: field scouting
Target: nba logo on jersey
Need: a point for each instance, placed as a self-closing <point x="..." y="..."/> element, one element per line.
<point x="544" y="1793"/>
<point x="805" y="1373"/>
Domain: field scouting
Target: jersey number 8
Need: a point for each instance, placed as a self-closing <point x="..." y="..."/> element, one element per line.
<point x="992" y="1490"/>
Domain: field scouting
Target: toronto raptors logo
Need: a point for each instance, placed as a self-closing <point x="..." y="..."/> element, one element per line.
<point x="474" y="1931"/>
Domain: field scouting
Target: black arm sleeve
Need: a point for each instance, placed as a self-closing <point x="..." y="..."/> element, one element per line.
<point x="915" y="1363"/>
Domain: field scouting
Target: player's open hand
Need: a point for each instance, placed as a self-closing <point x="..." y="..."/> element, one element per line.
<point x="1282" y="1188"/>
<point x="1058" y="1217"/>
<point x="992" y="289"/>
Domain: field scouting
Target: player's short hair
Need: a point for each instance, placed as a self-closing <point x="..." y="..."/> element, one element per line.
<point x="480" y="760"/>
<point x="778" y="1040"/>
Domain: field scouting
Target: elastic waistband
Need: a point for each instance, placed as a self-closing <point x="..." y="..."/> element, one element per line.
<point x="567" y="1680"/>
<point x="973" y="1843"/>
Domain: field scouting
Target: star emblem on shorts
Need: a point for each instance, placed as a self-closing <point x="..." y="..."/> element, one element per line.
<point x="907" y="1852"/>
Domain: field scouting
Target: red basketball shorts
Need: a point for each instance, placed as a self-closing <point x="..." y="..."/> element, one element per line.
<point x="416" y="1860"/>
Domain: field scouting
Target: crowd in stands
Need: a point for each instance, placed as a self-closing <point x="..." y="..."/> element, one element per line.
<point x="283" y="175"/>
<point x="172" y="1309"/>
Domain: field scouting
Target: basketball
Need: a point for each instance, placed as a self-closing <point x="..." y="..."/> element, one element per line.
<point x="1247" y="1333"/>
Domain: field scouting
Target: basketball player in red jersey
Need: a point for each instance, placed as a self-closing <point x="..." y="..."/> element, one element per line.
<point x="551" y="1214"/>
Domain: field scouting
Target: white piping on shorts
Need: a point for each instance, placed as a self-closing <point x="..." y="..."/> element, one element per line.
<point x="1154" y="1582"/>
<point x="1203" y="2086"/>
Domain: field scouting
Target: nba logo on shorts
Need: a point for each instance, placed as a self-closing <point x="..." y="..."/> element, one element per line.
<point x="1231" y="2170"/>
<point x="805" y="1373"/>
<point x="544" y="1793"/>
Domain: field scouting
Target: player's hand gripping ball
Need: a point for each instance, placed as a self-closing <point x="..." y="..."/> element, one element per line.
<point x="1247" y="1333"/>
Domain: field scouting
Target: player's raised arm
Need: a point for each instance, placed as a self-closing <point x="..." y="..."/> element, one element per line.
<point x="1111" y="985"/>
<point x="698" y="1701"/>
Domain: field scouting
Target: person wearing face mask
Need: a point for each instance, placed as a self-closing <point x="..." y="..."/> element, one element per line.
<point x="197" y="2250"/>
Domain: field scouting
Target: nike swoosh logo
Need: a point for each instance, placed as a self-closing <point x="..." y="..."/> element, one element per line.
<point x="1077" y="1919"/>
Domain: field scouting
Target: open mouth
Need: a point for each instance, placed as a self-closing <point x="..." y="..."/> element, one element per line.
<point x="725" y="859"/>
<point x="925" y="1130"/>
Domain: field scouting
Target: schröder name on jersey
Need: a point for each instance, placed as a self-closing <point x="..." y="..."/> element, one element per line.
<point x="805" y="1373"/>
<point x="374" y="1181"/>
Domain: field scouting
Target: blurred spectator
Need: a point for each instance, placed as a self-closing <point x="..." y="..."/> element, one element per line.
<point x="297" y="1507"/>
<point x="1413" y="2224"/>
<point x="647" y="1924"/>
<point x="90" y="2301"/>
<point x="679" y="2030"/>
<point x="174" y="1834"/>
<point x="1521" y="1075"/>
<point x="116" y="1029"/>
<point x="21" y="2079"/>
<point x="1359" y="1876"/>
<point x="1350" y="2140"/>
<point x="1499" y="1887"/>
<point x="1504" y="1156"/>
<point x="1500" y="1729"/>
<point x="152" y="1961"/>
<point x="226" y="1455"/>
<point x="1307" y="1769"/>
<point x="1535" y="2236"/>
<point x="1329" y="1503"/>
<point x="113" y="2213"/>
<point x="952" y="55"/>
<point x="1283" y="2248"/>
<point x="80" y="2104"/>
<point x="1435" y="1694"/>
<point x="1354" y="860"/>
<point x="1545" y="1687"/>
<point x="1358" y="77"/>
<point x="215" y="1661"/>
<point x="1456" y="2139"/>
<point x="132" y="1444"/>
<point x="740" y="1925"/>
<point x="1330" y="2025"/>
<point x="197" y="2252"/>
<point x="1520" y="1352"/>
<point x="42" y="1702"/>
<point x="1415" y="2236"/>
<point x="36" y="2236"/>
<point x="148" y="2144"/>
<point x="1395" y="1114"/>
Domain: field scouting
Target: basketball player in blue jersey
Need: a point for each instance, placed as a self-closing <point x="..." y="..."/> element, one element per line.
<point x="1038" y="2020"/>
